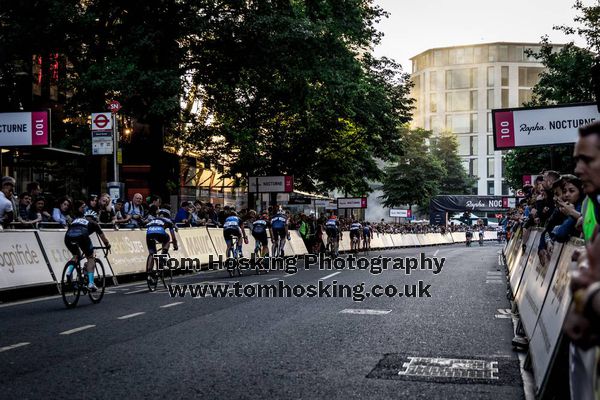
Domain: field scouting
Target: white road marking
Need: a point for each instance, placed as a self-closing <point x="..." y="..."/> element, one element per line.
<point x="81" y="328"/>
<point x="171" y="304"/>
<point x="131" y="315"/>
<point x="272" y="279"/>
<point x="330" y="275"/>
<point x="137" y="291"/>
<point x="13" y="346"/>
<point x="364" y="311"/>
<point x="493" y="281"/>
<point x="16" y="303"/>
<point x="436" y="252"/>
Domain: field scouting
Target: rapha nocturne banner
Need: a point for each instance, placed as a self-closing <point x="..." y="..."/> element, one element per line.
<point x="471" y="203"/>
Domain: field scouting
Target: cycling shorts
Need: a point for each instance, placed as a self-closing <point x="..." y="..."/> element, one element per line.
<point x="278" y="233"/>
<point x="261" y="237"/>
<point x="332" y="232"/>
<point x="229" y="232"/>
<point x="83" y="242"/>
<point x="354" y="233"/>
<point x="152" y="238"/>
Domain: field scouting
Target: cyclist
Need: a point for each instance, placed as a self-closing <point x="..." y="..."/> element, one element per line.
<point x="78" y="237"/>
<point x="279" y="231"/>
<point x="156" y="231"/>
<point x="334" y="235"/>
<point x="367" y="235"/>
<point x="355" y="232"/>
<point x="469" y="235"/>
<point x="481" y="232"/>
<point x="259" y="232"/>
<point x="233" y="227"/>
<point x="500" y="233"/>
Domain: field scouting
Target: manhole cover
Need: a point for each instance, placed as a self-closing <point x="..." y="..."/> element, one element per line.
<point x="448" y="369"/>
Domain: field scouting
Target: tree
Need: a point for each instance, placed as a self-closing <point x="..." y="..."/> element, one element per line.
<point x="566" y="79"/>
<point x="417" y="175"/>
<point x="456" y="180"/>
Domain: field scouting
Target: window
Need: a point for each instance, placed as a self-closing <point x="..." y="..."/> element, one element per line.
<point x="490" y="99"/>
<point x="433" y="102"/>
<point x="435" y="123"/>
<point x="504" y="76"/>
<point x="492" y="54"/>
<point x="490" y="188"/>
<point x="503" y="53"/>
<point x="432" y="81"/>
<point x="473" y="167"/>
<point x="504" y="98"/>
<point x="467" y="145"/>
<point x="502" y="167"/>
<point x="504" y="188"/>
<point x="519" y="53"/>
<point x="490" y="127"/>
<point x="461" y="101"/>
<point x="490" y="76"/>
<point x="480" y="54"/>
<point x="461" y="123"/>
<point x="490" y="145"/>
<point x="524" y="96"/>
<point x="440" y="57"/>
<point x="490" y="167"/>
<point x="461" y="78"/>
<point x="474" y="144"/>
<point x="528" y="76"/>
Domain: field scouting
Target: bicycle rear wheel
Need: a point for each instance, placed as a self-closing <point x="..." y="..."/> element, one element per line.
<point x="71" y="289"/>
<point x="166" y="275"/>
<point x="152" y="275"/>
<point x="99" y="281"/>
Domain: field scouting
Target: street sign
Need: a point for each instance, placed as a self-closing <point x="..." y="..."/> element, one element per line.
<point x="114" y="106"/>
<point x="352" y="202"/>
<point x="102" y="143"/>
<point x="397" y="213"/>
<point x="25" y="128"/>
<point x="101" y="121"/>
<point x="540" y="126"/>
<point x="271" y="184"/>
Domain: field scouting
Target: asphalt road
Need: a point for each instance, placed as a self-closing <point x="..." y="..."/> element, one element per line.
<point x="136" y="344"/>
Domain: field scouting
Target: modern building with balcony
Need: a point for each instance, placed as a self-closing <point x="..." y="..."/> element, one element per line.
<point x="456" y="88"/>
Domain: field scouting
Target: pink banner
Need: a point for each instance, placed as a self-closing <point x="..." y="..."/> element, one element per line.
<point x="289" y="184"/>
<point x="504" y="129"/>
<point x="39" y="128"/>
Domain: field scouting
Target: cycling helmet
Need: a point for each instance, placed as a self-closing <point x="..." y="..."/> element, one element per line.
<point x="165" y="212"/>
<point x="91" y="214"/>
<point x="233" y="213"/>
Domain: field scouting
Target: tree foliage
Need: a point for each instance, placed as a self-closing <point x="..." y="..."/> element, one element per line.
<point x="455" y="180"/>
<point x="282" y="87"/>
<point x="417" y="174"/>
<point x="566" y="79"/>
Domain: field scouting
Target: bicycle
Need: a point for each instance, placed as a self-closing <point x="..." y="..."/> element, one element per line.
<point x="332" y="249"/>
<point x="367" y="244"/>
<point x="156" y="272"/>
<point x="277" y="248"/>
<point x="236" y="255"/>
<point x="355" y="244"/>
<point x="71" y="289"/>
<point x="258" y="257"/>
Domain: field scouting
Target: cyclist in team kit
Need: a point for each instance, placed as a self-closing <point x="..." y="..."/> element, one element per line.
<point x="78" y="237"/>
<point x="156" y="231"/>
<point x="260" y="228"/>
<point x="367" y="235"/>
<point x="334" y="235"/>
<point x="233" y="227"/>
<point x="355" y="232"/>
<point x="279" y="231"/>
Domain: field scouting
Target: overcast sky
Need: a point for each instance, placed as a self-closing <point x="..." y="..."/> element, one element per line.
<point x="415" y="26"/>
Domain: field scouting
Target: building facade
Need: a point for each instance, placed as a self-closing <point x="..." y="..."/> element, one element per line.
<point x="456" y="88"/>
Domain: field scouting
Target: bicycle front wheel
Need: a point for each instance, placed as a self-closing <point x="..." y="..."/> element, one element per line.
<point x="166" y="275"/>
<point x="71" y="288"/>
<point x="152" y="277"/>
<point x="99" y="281"/>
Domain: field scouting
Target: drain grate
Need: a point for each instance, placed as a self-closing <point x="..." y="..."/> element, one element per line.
<point x="503" y="371"/>
<point x="450" y="368"/>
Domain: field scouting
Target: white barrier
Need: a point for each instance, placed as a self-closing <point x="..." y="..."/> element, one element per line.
<point x="377" y="241"/>
<point x="22" y="262"/>
<point x="297" y="243"/>
<point x="528" y="258"/>
<point x="196" y="243"/>
<point x="129" y="252"/>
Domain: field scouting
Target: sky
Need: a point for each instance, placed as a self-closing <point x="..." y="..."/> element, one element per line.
<point x="415" y="26"/>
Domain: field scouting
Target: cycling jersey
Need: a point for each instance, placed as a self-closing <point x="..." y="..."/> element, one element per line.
<point x="279" y="221"/>
<point x="332" y="224"/>
<point x="355" y="226"/>
<point x="232" y="222"/>
<point x="158" y="225"/>
<point x="260" y="226"/>
<point x="83" y="227"/>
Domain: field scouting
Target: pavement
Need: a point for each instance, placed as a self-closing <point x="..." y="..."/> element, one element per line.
<point x="135" y="344"/>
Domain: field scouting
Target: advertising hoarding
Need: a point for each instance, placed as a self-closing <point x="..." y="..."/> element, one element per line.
<point x="25" y="129"/>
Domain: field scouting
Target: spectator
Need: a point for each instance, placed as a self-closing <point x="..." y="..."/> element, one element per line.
<point x="222" y="214"/>
<point x="154" y="203"/>
<point x="135" y="209"/>
<point x="79" y="207"/>
<point x="34" y="190"/>
<point x="6" y="204"/>
<point x="183" y="214"/>
<point x="24" y="204"/>
<point x="92" y="203"/>
<point x="212" y="214"/>
<point x="38" y="213"/>
<point x="60" y="214"/>
<point x="569" y="206"/>
<point x="106" y="212"/>
<point x="121" y="218"/>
